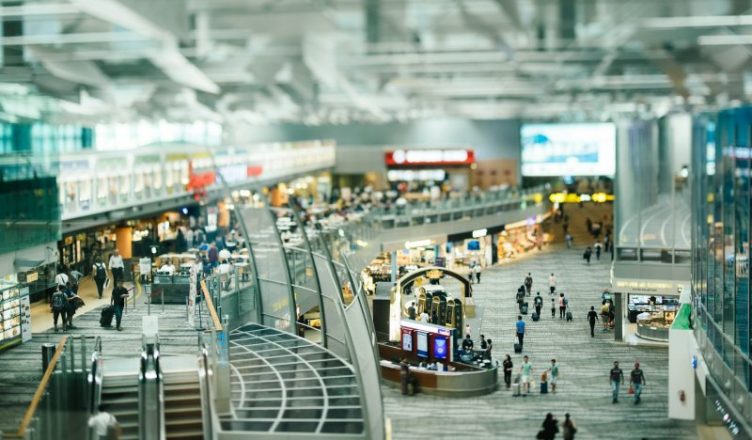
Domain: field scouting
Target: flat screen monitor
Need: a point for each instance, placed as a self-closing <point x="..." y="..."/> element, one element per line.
<point x="422" y="344"/>
<point x="440" y="348"/>
<point x="551" y="150"/>
<point x="407" y="341"/>
<point x="473" y="245"/>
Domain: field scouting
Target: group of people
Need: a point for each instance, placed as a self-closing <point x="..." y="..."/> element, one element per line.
<point x="486" y="345"/>
<point x="550" y="428"/>
<point x="549" y="376"/>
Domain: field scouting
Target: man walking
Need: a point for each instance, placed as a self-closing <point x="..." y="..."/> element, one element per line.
<point x="552" y="283"/>
<point x="526" y="373"/>
<point x="637" y="380"/>
<point x="117" y="267"/>
<point x="562" y="306"/>
<point x="520" y="329"/>
<point x="592" y="316"/>
<point x="538" y="301"/>
<point x="616" y="377"/>
<point x="588" y="253"/>
<point x="597" y="247"/>
<point x="528" y="283"/>
<point x="99" y="272"/>
<point x="568" y="239"/>
<point x="119" y="296"/>
<point x="476" y="271"/>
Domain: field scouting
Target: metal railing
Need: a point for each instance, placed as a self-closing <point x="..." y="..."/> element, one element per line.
<point x="151" y="394"/>
<point x="207" y="365"/>
<point x="59" y="407"/>
<point x="94" y="379"/>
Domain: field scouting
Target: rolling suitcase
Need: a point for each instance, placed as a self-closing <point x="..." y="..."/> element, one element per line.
<point x="569" y="316"/>
<point x="535" y="316"/>
<point x="105" y="320"/>
<point x="544" y="387"/>
<point x="523" y="308"/>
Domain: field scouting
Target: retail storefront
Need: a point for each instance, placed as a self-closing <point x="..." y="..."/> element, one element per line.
<point x="425" y="173"/>
<point x="649" y="307"/>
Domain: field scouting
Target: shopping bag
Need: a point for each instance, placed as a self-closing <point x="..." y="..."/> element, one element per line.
<point x="630" y="390"/>
<point x="107" y="283"/>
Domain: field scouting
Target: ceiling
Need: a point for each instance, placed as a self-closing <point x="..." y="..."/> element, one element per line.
<point x="337" y="61"/>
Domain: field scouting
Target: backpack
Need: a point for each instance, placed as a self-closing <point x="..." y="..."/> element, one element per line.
<point x="538" y="300"/>
<point x="566" y="301"/>
<point x="101" y="271"/>
<point x="59" y="302"/>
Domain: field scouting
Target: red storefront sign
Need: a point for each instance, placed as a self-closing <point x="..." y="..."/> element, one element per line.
<point x="429" y="157"/>
<point x="201" y="180"/>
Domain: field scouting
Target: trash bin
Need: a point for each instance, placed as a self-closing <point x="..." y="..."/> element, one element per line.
<point x="48" y="350"/>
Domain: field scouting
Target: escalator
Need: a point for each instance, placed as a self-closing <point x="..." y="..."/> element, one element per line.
<point x="120" y="396"/>
<point x="182" y="405"/>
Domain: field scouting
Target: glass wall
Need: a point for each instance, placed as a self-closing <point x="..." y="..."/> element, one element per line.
<point x="720" y="267"/>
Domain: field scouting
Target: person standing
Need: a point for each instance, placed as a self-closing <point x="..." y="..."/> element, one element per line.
<point x="550" y="428"/>
<point x="476" y="271"/>
<point x="553" y="374"/>
<point x="552" y="283"/>
<point x="489" y="347"/>
<point x="562" y="306"/>
<point x="538" y="301"/>
<point x="468" y="330"/>
<point x="116" y="267"/>
<point x="520" y="327"/>
<point x="616" y="377"/>
<point x="483" y="343"/>
<point x="59" y="306"/>
<point x="553" y="307"/>
<point x="568" y="428"/>
<point x="104" y="424"/>
<point x="467" y="343"/>
<point x="70" y="306"/>
<point x="526" y="372"/>
<point x="99" y="271"/>
<point x="213" y="254"/>
<point x="637" y="380"/>
<point x="508" y="366"/>
<point x="588" y="253"/>
<point x="119" y="296"/>
<point x="592" y="317"/>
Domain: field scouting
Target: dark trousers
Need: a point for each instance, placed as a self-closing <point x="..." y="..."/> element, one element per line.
<point x="100" y="285"/>
<point x="520" y="336"/>
<point x="69" y="316"/>
<point x="118" y="315"/>
<point x="508" y="378"/>
<point x="553" y="312"/>
<point x="561" y="312"/>
<point x="56" y="314"/>
<point x="477" y="277"/>
<point x="592" y="329"/>
<point x="117" y="275"/>
<point x="537" y="310"/>
<point x="553" y="289"/>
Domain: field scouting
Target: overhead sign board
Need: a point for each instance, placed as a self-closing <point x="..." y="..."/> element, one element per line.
<point x="429" y="157"/>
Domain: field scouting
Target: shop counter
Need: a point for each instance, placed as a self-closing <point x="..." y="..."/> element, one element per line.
<point x="646" y="330"/>
<point x="461" y="383"/>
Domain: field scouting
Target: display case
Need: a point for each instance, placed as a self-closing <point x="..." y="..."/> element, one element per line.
<point x="655" y="325"/>
<point x="13" y="299"/>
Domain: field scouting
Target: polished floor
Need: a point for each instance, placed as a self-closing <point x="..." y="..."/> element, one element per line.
<point x="583" y="389"/>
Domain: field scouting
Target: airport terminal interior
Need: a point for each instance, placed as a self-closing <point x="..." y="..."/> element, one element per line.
<point x="375" y="219"/>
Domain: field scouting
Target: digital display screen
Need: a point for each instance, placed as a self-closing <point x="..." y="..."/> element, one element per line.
<point x="440" y="348"/>
<point x="422" y="344"/>
<point x="587" y="149"/>
<point x="473" y="245"/>
<point x="407" y="341"/>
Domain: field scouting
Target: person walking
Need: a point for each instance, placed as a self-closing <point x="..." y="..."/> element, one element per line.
<point x="562" y="306"/>
<point x="592" y="317"/>
<point x="528" y="283"/>
<point x="489" y="347"/>
<point x="99" y="273"/>
<point x="568" y="428"/>
<point x="637" y="380"/>
<point x="597" y="247"/>
<point x="587" y="255"/>
<point x="550" y="428"/>
<point x="508" y="366"/>
<point x="104" y="424"/>
<point x="553" y="374"/>
<point x="616" y="378"/>
<point x="70" y="305"/>
<point x="477" y="271"/>
<point x="526" y="373"/>
<point x="117" y="267"/>
<point x="483" y="343"/>
<point x="538" y="301"/>
<point x="553" y="307"/>
<point x="552" y="283"/>
<point x="568" y="239"/>
<point x="520" y="329"/>
<point x="119" y="296"/>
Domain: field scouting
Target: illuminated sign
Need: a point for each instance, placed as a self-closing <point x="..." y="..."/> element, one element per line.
<point x="428" y="328"/>
<point x="422" y="344"/>
<point x="422" y="157"/>
<point x="666" y="287"/>
<point x="599" y="197"/>
<point x="440" y="348"/>
<point x="415" y="175"/>
<point x="434" y="274"/>
<point x="478" y="233"/>
<point x="418" y="243"/>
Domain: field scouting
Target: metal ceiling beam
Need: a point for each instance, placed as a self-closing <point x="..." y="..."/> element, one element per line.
<point x="42" y="9"/>
<point x="77" y="38"/>
<point x="696" y="21"/>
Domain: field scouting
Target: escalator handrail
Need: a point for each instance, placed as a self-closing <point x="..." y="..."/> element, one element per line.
<point x="95" y="376"/>
<point x="209" y="417"/>
<point x="151" y="373"/>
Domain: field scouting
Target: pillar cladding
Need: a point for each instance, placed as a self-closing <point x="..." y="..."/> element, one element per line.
<point x="124" y="237"/>
<point x="373" y="11"/>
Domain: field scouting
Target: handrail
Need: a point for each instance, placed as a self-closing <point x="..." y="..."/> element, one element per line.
<point x="95" y="376"/>
<point x="210" y="305"/>
<point x="151" y="374"/>
<point x="205" y="376"/>
<point x="41" y="388"/>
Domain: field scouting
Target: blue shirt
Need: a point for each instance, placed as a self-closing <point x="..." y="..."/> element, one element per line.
<point x="520" y="326"/>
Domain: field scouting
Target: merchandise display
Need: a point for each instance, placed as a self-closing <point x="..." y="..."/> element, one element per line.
<point x="10" y="314"/>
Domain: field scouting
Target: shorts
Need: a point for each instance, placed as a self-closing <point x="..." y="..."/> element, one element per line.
<point x="525" y="379"/>
<point x="552" y="380"/>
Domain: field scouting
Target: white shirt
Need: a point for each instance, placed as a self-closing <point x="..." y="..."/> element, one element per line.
<point x="476" y="268"/>
<point x="423" y="317"/>
<point x="552" y="281"/>
<point x="116" y="261"/>
<point x="168" y="269"/>
<point x="100" y="422"/>
<point x="61" y="279"/>
<point x="224" y="268"/>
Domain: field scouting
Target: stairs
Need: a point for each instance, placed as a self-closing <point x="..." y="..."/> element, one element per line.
<point x="182" y="404"/>
<point x="120" y="396"/>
